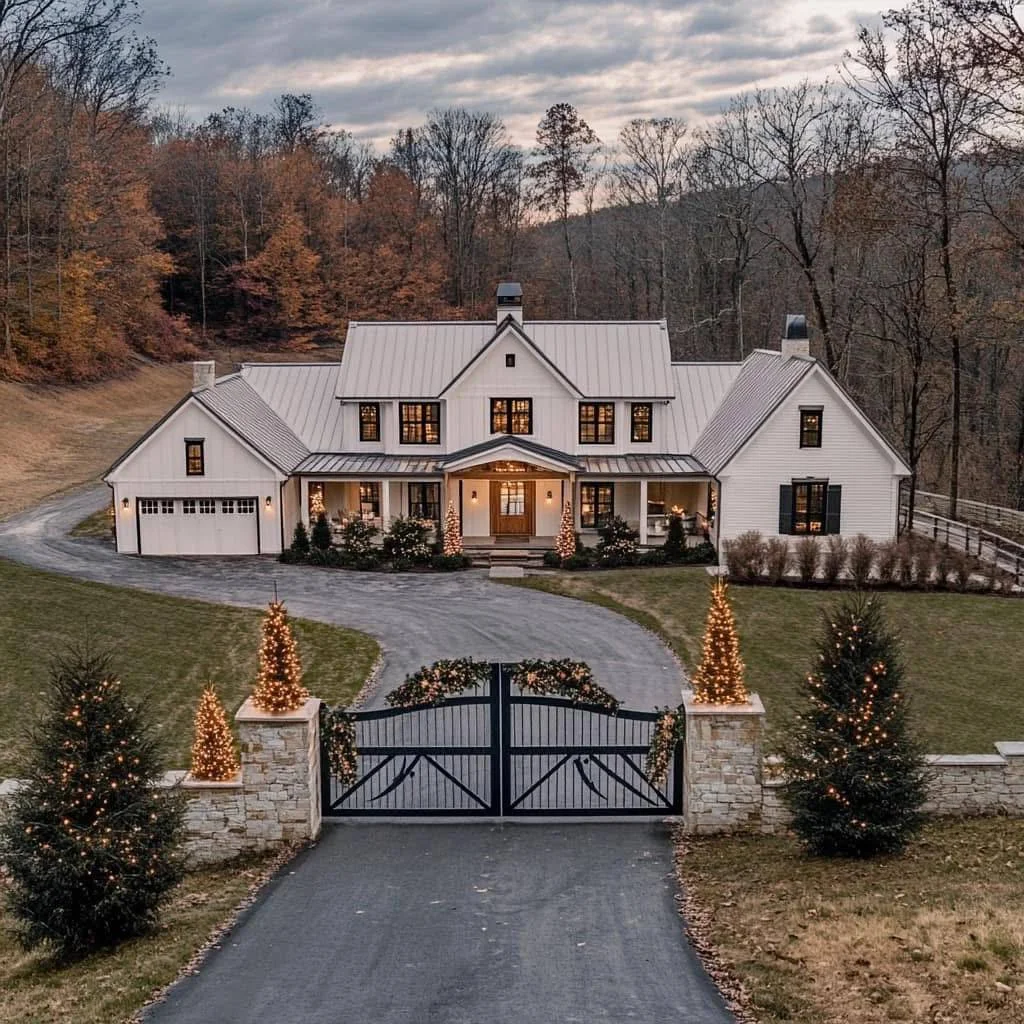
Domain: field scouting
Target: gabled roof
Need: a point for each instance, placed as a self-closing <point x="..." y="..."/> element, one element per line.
<point x="514" y="443"/>
<point x="602" y="359"/>
<point x="699" y="388"/>
<point x="763" y="382"/>
<point x="303" y="396"/>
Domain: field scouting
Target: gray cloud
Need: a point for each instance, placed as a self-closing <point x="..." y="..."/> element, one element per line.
<point x="377" y="65"/>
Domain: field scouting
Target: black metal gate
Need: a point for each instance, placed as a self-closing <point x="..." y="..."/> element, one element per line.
<point x="503" y="752"/>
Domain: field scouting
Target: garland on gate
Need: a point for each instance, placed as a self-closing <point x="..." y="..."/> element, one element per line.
<point x="563" y="678"/>
<point x="339" y="732"/>
<point x="668" y="732"/>
<point x="428" y="687"/>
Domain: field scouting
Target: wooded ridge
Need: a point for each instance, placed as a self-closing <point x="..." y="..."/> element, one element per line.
<point x="886" y="205"/>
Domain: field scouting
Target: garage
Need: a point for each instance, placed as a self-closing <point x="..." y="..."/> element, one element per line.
<point x="198" y="526"/>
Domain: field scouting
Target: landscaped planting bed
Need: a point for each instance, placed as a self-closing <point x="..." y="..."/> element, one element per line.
<point x="933" y="935"/>
<point x="963" y="652"/>
<point x="166" y="648"/>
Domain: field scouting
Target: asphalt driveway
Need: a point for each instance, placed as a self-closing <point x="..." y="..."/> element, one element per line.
<point x="460" y="924"/>
<point x="416" y="618"/>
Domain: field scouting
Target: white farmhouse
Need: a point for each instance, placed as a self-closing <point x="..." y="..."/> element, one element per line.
<point x="508" y="420"/>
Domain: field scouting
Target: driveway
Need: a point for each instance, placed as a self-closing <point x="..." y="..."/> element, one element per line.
<point x="416" y="618"/>
<point x="411" y="924"/>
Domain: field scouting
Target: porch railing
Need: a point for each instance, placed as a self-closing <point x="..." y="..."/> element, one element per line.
<point x="696" y="525"/>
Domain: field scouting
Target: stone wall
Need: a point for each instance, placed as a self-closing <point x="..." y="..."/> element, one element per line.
<point x="979" y="783"/>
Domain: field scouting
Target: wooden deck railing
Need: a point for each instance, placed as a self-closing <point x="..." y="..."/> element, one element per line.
<point x="972" y="511"/>
<point x="989" y="547"/>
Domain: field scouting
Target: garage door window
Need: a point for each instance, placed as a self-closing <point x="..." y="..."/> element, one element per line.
<point x="148" y="506"/>
<point x="227" y="507"/>
<point x="167" y="508"/>
<point x="188" y="508"/>
<point x="207" y="507"/>
<point x="246" y="506"/>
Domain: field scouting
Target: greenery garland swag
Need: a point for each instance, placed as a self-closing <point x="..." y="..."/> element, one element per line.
<point x="339" y="732"/>
<point x="563" y="678"/>
<point x="428" y="687"/>
<point x="668" y="731"/>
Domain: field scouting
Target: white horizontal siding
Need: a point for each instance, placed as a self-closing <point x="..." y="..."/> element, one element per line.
<point x="850" y="456"/>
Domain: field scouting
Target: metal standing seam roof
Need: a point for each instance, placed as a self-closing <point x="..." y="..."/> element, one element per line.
<point x="643" y="465"/>
<point x="763" y="382"/>
<point x="503" y="440"/>
<point x="603" y="359"/>
<point x="356" y="464"/>
<point x="699" y="388"/>
<point x="303" y="395"/>
<point x="242" y="409"/>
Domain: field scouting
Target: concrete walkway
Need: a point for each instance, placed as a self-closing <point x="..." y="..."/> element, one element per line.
<point x="413" y="924"/>
<point x="416" y="618"/>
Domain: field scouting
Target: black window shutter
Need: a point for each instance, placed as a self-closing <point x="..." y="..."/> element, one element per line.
<point x="785" y="508"/>
<point x="833" y="510"/>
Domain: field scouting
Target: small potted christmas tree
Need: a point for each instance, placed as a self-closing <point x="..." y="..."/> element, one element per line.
<point x="565" y="542"/>
<point x="279" y="684"/>
<point x="452" y="532"/>
<point x="214" y="758"/>
<point x="719" y="677"/>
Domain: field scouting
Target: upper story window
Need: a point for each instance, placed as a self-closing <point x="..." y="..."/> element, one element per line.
<point x="510" y="359"/>
<point x="810" y="428"/>
<point x="369" y="421"/>
<point x="511" y="415"/>
<point x="195" y="460"/>
<point x="597" y="422"/>
<point x="419" y="422"/>
<point x="641" y="416"/>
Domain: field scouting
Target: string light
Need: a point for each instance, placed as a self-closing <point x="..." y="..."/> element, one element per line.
<point x="452" y="531"/>
<point x="719" y="678"/>
<point x="279" y="684"/>
<point x="214" y="758"/>
<point x="565" y="542"/>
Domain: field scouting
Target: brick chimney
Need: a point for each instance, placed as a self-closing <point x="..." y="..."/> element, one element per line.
<point x="795" y="341"/>
<point x="510" y="301"/>
<point x="203" y="375"/>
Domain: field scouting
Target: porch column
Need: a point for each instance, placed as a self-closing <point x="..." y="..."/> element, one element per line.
<point x="572" y="499"/>
<point x="304" y="499"/>
<point x="385" y="504"/>
<point x="643" y="512"/>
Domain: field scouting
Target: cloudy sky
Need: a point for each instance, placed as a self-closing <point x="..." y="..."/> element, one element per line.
<point x="378" y="65"/>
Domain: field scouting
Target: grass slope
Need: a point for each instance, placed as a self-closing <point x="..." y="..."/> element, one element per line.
<point x="934" y="935"/>
<point x="963" y="652"/>
<point x="165" y="648"/>
<point x="109" y="987"/>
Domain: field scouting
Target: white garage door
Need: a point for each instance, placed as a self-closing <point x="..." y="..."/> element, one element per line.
<point x="198" y="526"/>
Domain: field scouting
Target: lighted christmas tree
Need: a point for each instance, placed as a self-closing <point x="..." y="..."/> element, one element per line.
<point x="452" y="532"/>
<point x="214" y="758"/>
<point x="279" y="684"/>
<point x="565" y="542"/>
<point x="719" y="678"/>
<point x="856" y="778"/>
<point x="89" y="839"/>
<point x="316" y="504"/>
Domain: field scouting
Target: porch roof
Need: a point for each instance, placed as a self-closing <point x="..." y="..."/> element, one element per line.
<point x="366" y="464"/>
<point x="478" y="453"/>
<point x="643" y="465"/>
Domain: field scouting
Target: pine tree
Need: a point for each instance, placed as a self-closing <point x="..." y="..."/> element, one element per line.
<point x="565" y="542"/>
<point x="214" y="758"/>
<point x="279" y="684"/>
<point x="719" y="678"/>
<point x="321" y="535"/>
<point x="452" y="532"/>
<point x="300" y="539"/>
<point x="90" y="839"/>
<point x="856" y="777"/>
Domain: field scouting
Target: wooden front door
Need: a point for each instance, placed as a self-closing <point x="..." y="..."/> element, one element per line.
<point x="512" y="504"/>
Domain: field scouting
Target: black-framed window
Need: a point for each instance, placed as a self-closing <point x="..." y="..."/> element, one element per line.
<point x="597" y="422"/>
<point x="369" y="421"/>
<point x="510" y="360"/>
<point x="810" y="428"/>
<point x="425" y="501"/>
<point x="597" y="505"/>
<point x="195" y="457"/>
<point x="511" y="415"/>
<point x="369" y="499"/>
<point x="420" y="422"/>
<point x="641" y="417"/>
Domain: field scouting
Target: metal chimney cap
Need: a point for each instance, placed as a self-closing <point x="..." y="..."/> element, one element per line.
<point x="510" y="292"/>
<point x="796" y="327"/>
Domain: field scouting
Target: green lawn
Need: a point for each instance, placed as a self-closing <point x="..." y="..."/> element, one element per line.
<point x="963" y="652"/>
<point x="110" y="987"/>
<point x="165" y="649"/>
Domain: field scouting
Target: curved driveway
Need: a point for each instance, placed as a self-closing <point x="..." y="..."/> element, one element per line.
<point x="416" y="618"/>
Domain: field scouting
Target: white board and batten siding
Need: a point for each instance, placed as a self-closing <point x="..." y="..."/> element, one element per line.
<point x="850" y="456"/>
<point x="236" y="479"/>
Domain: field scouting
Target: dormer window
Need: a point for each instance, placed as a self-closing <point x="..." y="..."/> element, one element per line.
<point x="369" y="421"/>
<point x="810" y="428"/>
<point x="511" y="415"/>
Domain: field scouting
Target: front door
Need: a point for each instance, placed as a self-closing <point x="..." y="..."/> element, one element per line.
<point x="512" y="507"/>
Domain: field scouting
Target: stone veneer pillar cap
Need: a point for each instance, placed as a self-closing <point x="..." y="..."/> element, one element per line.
<point x="188" y="782"/>
<point x="1011" y="748"/>
<point x="752" y="707"/>
<point x="248" y="712"/>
